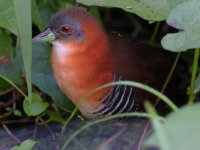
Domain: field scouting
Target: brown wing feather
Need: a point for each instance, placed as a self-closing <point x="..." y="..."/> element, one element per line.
<point x="139" y="62"/>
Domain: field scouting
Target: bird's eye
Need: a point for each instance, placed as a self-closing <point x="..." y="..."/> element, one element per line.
<point x="66" y="29"/>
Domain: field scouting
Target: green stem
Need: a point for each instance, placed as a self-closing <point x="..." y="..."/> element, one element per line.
<point x="168" y="77"/>
<point x="154" y="33"/>
<point x="10" y="82"/>
<point x="194" y="72"/>
<point x="159" y="128"/>
<point x="80" y="144"/>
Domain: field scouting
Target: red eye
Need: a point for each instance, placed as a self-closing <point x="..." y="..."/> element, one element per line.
<point x="66" y="29"/>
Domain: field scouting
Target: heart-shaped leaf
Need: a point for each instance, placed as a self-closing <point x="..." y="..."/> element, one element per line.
<point x="186" y="18"/>
<point x="36" y="107"/>
<point x="26" y="145"/>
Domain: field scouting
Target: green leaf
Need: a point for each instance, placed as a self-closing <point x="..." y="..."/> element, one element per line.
<point x="11" y="72"/>
<point x="136" y="7"/>
<point x="7" y="16"/>
<point x="26" y="145"/>
<point x="23" y="16"/>
<point x="8" y="70"/>
<point x="48" y="8"/>
<point x="68" y="4"/>
<point x="95" y="12"/>
<point x="55" y="116"/>
<point x="5" y="44"/>
<point x="11" y="83"/>
<point x="4" y="85"/>
<point x="182" y="129"/>
<point x="36" y="107"/>
<point x="153" y="10"/>
<point x="36" y="16"/>
<point x="186" y="18"/>
<point x="17" y="113"/>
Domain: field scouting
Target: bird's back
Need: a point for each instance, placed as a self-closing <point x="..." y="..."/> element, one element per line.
<point x="136" y="61"/>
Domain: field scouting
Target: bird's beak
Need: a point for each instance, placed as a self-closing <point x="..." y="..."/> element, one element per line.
<point x="47" y="35"/>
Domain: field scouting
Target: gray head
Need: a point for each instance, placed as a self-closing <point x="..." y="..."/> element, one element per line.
<point x="66" y="25"/>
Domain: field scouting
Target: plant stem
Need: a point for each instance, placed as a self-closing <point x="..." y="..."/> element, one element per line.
<point x="10" y="82"/>
<point x="154" y="33"/>
<point x="160" y="131"/>
<point x="168" y="77"/>
<point x="194" y="72"/>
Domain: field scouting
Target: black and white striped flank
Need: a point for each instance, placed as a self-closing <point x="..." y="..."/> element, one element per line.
<point x="119" y="100"/>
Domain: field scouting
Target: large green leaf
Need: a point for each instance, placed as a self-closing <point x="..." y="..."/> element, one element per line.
<point x="11" y="72"/>
<point x="153" y="10"/>
<point x="186" y="18"/>
<point x="5" y="44"/>
<point x="7" y="16"/>
<point x="7" y="67"/>
<point x="182" y="129"/>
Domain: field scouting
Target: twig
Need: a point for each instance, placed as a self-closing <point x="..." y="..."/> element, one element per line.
<point x="52" y="134"/>
<point x="35" y="131"/>
<point x="11" y="101"/>
<point x="6" y="91"/>
<point x="17" y="121"/>
<point x="9" y="132"/>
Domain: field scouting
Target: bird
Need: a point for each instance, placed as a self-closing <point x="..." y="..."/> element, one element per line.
<point x="84" y="57"/>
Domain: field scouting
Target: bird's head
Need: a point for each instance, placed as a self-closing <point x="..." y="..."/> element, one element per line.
<point x="71" y="25"/>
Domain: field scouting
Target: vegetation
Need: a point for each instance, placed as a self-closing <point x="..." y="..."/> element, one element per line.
<point x="26" y="75"/>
